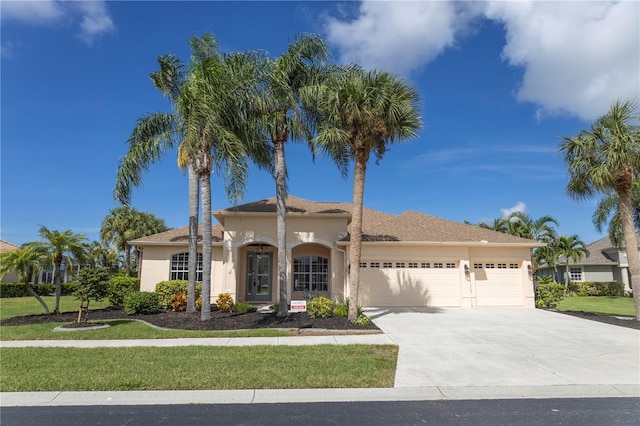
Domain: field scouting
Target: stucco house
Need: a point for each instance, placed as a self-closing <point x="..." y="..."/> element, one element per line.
<point x="10" y="277"/>
<point x="604" y="263"/>
<point x="411" y="259"/>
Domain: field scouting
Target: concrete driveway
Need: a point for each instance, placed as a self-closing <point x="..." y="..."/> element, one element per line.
<point x="492" y="347"/>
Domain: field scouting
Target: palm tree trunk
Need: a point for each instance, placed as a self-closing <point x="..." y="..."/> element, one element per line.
<point x="281" y="211"/>
<point x="355" y="244"/>
<point x="32" y="292"/>
<point x="56" y="280"/>
<point x="630" y="241"/>
<point x="127" y="259"/>
<point x="193" y="240"/>
<point x="566" y="279"/>
<point x="205" y="313"/>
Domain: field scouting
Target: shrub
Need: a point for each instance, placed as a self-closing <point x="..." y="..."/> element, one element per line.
<point x="179" y="302"/>
<point x="8" y="289"/>
<point x="224" y="302"/>
<point x="244" y="307"/>
<point x="93" y="285"/>
<point x="548" y="295"/>
<point x="596" y="288"/>
<point x="167" y="289"/>
<point x="45" y="289"/>
<point x="362" y="320"/>
<point x="342" y="308"/>
<point x="547" y="279"/>
<point x="320" y="307"/>
<point x="67" y="289"/>
<point x="120" y="286"/>
<point x="199" y="303"/>
<point x="141" y="303"/>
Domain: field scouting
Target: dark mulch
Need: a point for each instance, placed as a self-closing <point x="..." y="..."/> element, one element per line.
<point x="629" y="323"/>
<point x="183" y="321"/>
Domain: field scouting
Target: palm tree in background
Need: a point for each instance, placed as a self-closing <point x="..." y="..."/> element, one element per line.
<point x="25" y="262"/>
<point x="361" y="112"/>
<point x="607" y="157"/>
<point x="59" y="247"/>
<point x="281" y="117"/>
<point x="608" y="213"/>
<point x="570" y="248"/>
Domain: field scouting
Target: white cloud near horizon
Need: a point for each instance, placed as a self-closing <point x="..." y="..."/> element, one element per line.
<point x="577" y="57"/>
<point x="92" y="17"/>
<point x="519" y="207"/>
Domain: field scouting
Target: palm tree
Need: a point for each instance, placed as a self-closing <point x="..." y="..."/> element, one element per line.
<point x="604" y="158"/>
<point x="58" y="247"/>
<point x="570" y="248"/>
<point x="125" y="223"/>
<point x="362" y="112"/>
<point x="281" y="117"/>
<point x="24" y="261"/>
<point x="522" y="225"/>
<point x="607" y="212"/>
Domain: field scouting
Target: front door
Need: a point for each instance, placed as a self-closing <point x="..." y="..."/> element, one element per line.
<point x="259" y="276"/>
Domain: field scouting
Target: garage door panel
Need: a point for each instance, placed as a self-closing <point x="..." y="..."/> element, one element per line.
<point x="501" y="288"/>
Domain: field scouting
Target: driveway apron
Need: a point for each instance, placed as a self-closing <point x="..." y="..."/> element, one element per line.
<point x="507" y="347"/>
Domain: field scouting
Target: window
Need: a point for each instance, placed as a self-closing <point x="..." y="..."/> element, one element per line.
<point x="413" y="264"/>
<point x="451" y="265"/>
<point x="575" y="274"/>
<point x="513" y="266"/>
<point x="399" y="264"/>
<point x="180" y="267"/>
<point x="437" y="265"/>
<point x="310" y="273"/>
<point x="477" y="266"/>
<point x="363" y="264"/>
<point x="502" y="266"/>
<point x="425" y="265"/>
<point x="387" y="265"/>
<point x="490" y="266"/>
<point x="374" y="264"/>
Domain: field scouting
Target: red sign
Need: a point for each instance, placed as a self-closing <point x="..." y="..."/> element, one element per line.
<point x="298" y="306"/>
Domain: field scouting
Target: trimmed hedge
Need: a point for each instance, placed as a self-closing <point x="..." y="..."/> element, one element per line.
<point x="20" y="290"/>
<point x="548" y="295"/>
<point x="144" y="303"/>
<point x="120" y="286"/>
<point x="167" y="289"/>
<point x="596" y="288"/>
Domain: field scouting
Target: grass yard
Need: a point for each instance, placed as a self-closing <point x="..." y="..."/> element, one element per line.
<point x="603" y="305"/>
<point x="197" y="368"/>
<point x="14" y="306"/>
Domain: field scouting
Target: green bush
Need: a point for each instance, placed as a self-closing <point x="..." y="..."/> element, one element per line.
<point x="144" y="303"/>
<point x="43" y="289"/>
<point x="548" y="295"/>
<point x="224" y="302"/>
<point x="362" y="320"/>
<point x="167" y="289"/>
<point x="342" y="308"/>
<point x="67" y="289"/>
<point x="596" y="288"/>
<point x="320" y="307"/>
<point x="244" y="307"/>
<point x="8" y="289"/>
<point x="120" y="286"/>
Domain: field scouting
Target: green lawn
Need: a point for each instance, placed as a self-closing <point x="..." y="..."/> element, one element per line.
<point x="604" y="305"/>
<point x="14" y="306"/>
<point x="197" y="368"/>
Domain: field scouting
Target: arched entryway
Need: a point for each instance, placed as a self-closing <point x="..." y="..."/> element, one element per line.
<point x="310" y="270"/>
<point x="258" y="272"/>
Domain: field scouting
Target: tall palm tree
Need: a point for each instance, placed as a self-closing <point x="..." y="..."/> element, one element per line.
<point x="25" y="261"/>
<point x="125" y="223"/>
<point x="523" y="225"/>
<point x="281" y="117"/>
<point x="359" y="113"/>
<point x="570" y="248"/>
<point x="608" y="213"/>
<point x="58" y="247"/>
<point x="607" y="157"/>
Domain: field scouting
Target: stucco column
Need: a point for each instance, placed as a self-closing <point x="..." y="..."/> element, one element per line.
<point x="528" y="293"/>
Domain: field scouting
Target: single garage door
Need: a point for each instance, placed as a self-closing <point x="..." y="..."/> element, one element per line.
<point x="498" y="284"/>
<point x="410" y="284"/>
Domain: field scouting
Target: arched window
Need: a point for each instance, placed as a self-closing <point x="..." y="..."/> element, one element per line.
<point x="310" y="273"/>
<point x="180" y="267"/>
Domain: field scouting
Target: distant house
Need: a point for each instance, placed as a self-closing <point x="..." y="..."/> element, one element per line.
<point x="604" y="263"/>
<point x="10" y="277"/>
<point x="411" y="259"/>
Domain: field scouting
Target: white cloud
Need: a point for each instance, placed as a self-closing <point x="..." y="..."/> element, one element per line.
<point x="577" y="57"/>
<point x="520" y="207"/>
<point x="93" y="17"/>
<point x="397" y="36"/>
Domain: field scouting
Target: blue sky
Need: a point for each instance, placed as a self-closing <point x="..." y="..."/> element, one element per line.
<point x="500" y="84"/>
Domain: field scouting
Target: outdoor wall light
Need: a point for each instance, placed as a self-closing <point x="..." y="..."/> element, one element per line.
<point x="466" y="270"/>
<point x="530" y="269"/>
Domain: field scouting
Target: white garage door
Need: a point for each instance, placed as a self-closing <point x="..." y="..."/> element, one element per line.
<point x="435" y="285"/>
<point x="498" y="284"/>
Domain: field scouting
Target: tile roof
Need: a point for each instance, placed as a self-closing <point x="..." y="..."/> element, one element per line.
<point x="179" y="236"/>
<point x="377" y="226"/>
<point x="7" y="246"/>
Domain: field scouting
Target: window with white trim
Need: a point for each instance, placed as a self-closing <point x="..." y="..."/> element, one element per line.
<point x="374" y="264"/>
<point x="363" y="264"/>
<point x="437" y="265"/>
<point x="413" y="264"/>
<point x="477" y="266"/>
<point x="514" y="266"/>
<point x="450" y="265"/>
<point x="502" y="266"/>
<point x="425" y="265"/>
<point x="310" y="273"/>
<point x="179" y="269"/>
<point x="490" y="265"/>
<point x="399" y="264"/>
<point x="575" y="274"/>
<point x="387" y="264"/>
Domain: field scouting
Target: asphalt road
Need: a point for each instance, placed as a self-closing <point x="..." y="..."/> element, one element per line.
<point x="582" y="412"/>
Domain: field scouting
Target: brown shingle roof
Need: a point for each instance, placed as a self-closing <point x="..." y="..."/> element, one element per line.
<point x="7" y="246"/>
<point x="179" y="235"/>
<point x="598" y="253"/>
<point x="294" y="205"/>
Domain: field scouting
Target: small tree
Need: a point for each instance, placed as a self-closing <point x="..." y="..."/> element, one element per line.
<point x="93" y="284"/>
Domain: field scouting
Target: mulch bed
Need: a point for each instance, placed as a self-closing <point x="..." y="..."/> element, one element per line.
<point x="183" y="321"/>
<point x="629" y="323"/>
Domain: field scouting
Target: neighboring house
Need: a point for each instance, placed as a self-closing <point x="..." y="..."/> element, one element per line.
<point x="604" y="263"/>
<point x="411" y="259"/>
<point x="10" y="277"/>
